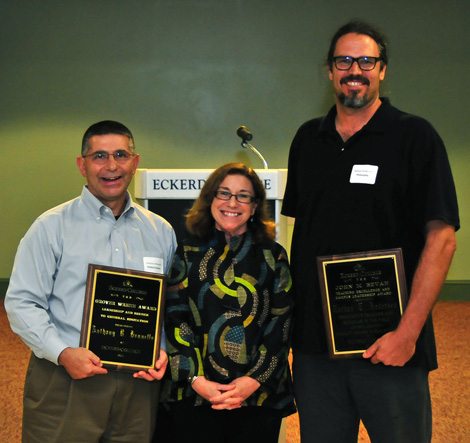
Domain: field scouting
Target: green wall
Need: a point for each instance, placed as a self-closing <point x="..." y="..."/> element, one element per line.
<point x="184" y="74"/>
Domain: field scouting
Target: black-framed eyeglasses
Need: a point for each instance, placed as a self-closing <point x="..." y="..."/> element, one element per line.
<point x="102" y="157"/>
<point x="241" y="198"/>
<point x="366" y="63"/>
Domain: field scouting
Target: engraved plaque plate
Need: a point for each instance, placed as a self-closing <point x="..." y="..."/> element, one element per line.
<point x="122" y="317"/>
<point x="363" y="297"/>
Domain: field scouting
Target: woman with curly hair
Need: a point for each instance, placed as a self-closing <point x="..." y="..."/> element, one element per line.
<point x="228" y="318"/>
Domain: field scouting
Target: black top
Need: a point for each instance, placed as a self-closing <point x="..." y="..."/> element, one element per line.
<point x="413" y="185"/>
<point x="231" y="317"/>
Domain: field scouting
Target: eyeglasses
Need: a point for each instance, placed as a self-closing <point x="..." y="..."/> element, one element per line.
<point x="102" y="157"/>
<point x="241" y="198"/>
<point x="366" y="63"/>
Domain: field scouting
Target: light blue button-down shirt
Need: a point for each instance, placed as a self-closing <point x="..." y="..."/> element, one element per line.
<point x="44" y="300"/>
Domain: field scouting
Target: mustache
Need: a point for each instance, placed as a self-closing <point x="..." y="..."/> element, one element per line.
<point x="358" y="78"/>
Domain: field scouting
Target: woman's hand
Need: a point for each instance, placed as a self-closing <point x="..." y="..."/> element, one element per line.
<point x="233" y="398"/>
<point x="208" y="389"/>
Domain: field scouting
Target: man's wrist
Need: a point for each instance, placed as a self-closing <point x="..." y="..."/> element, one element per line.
<point x="61" y="355"/>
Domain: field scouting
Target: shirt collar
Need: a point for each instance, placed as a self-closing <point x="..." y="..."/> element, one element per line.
<point x="377" y="123"/>
<point x="98" y="208"/>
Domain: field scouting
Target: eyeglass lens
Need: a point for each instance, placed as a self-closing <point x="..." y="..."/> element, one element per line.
<point x="365" y="63"/>
<point x="241" y="198"/>
<point x="119" y="156"/>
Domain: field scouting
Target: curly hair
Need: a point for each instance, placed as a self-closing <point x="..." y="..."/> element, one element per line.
<point x="199" y="220"/>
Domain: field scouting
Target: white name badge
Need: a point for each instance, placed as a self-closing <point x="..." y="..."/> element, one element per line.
<point x="153" y="264"/>
<point x="365" y="174"/>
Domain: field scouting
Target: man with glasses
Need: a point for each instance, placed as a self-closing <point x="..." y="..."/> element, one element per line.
<point x="69" y="395"/>
<point x="367" y="177"/>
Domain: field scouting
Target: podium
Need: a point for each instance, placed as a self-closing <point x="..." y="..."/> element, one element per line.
<point x="171" y="192"/>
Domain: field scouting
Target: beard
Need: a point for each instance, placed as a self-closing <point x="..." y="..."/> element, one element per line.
<point x="352" y="100"/>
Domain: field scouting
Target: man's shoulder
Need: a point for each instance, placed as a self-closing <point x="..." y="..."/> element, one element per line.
<point x="312" y="124"/>
<point x="308" y="131"/>
<point x="51" y="223"/>
<point x="154" y="218"/>
<point x="59" y="211"/>
<point x="408" y="120"/>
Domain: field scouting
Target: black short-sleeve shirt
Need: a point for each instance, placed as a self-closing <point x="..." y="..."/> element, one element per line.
<point x="339" y="208"/>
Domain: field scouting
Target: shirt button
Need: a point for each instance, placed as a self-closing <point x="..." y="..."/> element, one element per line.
<point x="116" y="249"/>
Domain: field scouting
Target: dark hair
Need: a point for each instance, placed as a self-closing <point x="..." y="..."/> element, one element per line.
<point x="358" y="27"/>
<point x="199" y="220"/>
<point x="106" y="127"/>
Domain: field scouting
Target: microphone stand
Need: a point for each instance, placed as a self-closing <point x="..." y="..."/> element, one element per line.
<point x="245" y="144"/>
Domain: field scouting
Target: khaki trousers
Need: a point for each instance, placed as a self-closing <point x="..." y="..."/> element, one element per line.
<point x="105" y="408"/>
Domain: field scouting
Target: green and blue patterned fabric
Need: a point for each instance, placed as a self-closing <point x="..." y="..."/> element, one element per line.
<point x="228" y="314"/>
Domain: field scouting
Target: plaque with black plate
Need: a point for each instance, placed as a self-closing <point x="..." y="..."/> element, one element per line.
<point x="363" y="297"/>
<point x="122" y="317"/>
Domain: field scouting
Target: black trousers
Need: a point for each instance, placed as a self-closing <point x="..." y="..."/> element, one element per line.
<point x="181" y="422"/>
<point x="332" y="396"/>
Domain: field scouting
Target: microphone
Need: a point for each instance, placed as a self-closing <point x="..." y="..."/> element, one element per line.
<point x="244" y="133"/>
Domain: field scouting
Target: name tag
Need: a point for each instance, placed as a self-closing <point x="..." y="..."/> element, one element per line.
<point x="153" y="264"/>
<point x="365" y="174"/>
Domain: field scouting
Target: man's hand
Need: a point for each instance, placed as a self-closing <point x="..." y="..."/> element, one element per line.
<point x="158" y="372"/>
<point x="81" y="363"/>
<point x="392" y="349"/>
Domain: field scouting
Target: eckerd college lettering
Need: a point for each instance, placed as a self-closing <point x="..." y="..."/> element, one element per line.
<point x="178" y="184"/>
<point x="188" y="184"/>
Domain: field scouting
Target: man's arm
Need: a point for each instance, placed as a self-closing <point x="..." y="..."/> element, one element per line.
<point x="397" y="347"/>
<point x="27" y="297"/>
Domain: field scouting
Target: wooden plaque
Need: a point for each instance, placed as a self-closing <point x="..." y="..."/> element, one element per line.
<point x="363" y="297"/>
<point x="122" y="317"/>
